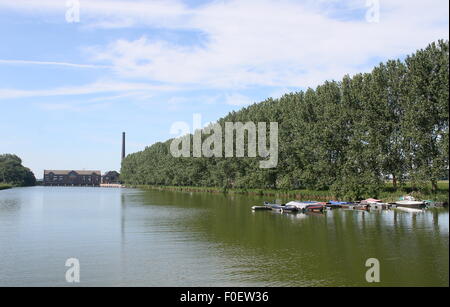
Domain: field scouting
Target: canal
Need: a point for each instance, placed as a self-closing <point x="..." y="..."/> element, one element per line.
<point x="128" y="237"/>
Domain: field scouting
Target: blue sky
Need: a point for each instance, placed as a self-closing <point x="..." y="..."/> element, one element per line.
<point x="68" y="90"/>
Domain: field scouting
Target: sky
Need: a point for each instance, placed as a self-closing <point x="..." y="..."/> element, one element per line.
<point x="75" y="74"/>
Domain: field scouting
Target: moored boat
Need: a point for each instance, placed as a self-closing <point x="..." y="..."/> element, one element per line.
<point x="271" y="205"/>
<point x="370" y="201"/>
<point x="338" y="204"/>
<point x="283" y="208"/>
<point x="410" y="203"/>
<point x="298" y="205"/>
<point x="289" y="208"/>
<point x="306" y="205"/>
<point x="317" y="207"/>
<point x="276" y="207"/>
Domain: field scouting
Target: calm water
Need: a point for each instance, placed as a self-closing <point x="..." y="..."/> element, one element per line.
<point x="151" y="238"/>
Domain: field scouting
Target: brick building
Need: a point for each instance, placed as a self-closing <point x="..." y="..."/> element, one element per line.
<point x="72" y="178"/>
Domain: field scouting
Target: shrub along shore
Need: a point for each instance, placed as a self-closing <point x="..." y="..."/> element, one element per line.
<point x="4" y="186"/>
<point x="13" y="173"/>
<point x="389" y="194"/>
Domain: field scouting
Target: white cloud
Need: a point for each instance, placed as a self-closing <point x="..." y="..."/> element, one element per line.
<point x="282" y="43"/>
<point x="72" y="106"/>
<point x="93" y="88"/>
<point x="135" y="95"/>
<point x="107" y="13"/>
<point x="64" y="64"/>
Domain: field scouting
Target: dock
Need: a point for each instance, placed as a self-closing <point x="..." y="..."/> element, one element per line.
<point x="111" y="185"/>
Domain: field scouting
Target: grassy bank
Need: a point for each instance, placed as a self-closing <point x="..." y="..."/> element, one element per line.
<point x="4" y="186"/>
<point x="389" y="194"/>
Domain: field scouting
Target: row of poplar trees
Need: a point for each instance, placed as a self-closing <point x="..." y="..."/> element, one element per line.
<point x="348" y="137"/>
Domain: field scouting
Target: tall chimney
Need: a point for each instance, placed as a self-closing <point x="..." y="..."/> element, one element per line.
<point x="123" y="145"/>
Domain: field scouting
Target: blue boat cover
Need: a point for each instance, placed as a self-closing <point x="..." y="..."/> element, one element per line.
<point x="338" y="202"/>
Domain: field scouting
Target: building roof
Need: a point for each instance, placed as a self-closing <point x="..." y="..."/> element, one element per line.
<point x="66" y="172"/>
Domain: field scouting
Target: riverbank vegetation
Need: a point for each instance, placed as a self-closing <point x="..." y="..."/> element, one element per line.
<point x="13" y="173"/>
<point x="343" y="139"/>
<point x="388" y="193"/>
<point x="4" y="186"/>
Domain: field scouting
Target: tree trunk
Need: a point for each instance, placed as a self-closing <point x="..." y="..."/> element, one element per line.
<point x="394" y="181"/>
<point x="434" y="186"/>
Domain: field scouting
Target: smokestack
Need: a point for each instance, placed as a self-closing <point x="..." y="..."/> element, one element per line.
<point x="123" y="145"/>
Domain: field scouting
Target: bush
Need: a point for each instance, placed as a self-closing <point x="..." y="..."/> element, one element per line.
<point x="12" y="171"/>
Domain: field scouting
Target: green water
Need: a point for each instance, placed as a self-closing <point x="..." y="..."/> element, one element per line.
<point x="125" y="237"/>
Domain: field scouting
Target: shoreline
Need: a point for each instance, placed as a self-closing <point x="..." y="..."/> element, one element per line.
<point x="5" y="186"/>
<point x="442" y="195"/>
<point x="313" y="195"/>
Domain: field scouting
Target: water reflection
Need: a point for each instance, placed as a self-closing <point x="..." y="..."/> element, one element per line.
<point x="9" y="205"/>
<point x="318" y="246"/>
<point x="153" y="238"/>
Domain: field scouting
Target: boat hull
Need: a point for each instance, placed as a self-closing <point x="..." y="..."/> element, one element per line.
<point x="410" y="204"/>
<point x="315" y="208"/>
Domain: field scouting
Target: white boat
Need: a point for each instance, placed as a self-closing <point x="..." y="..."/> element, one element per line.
<point x="410" y="210"/>
<point x="410" y="203"/>
<point x="370" y="201"/>
<point x="298" y="205"/>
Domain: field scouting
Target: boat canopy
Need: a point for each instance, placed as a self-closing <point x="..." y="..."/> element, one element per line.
<point x="300" y="205"/>
<point x="333" y="202"/>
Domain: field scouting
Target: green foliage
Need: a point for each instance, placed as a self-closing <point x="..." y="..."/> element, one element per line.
<point x="4" y="186"/>
<point x="13" y="173"/>
<point x="346" y="138"/>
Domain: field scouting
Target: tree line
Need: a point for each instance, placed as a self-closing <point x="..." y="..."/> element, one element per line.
<point x="348" y="137"/>
<point x="12" y="172"/>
